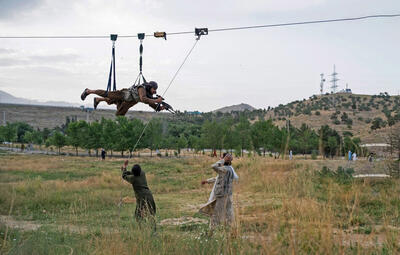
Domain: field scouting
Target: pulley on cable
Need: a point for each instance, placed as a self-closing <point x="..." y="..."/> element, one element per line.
<point x="113" y="38"/>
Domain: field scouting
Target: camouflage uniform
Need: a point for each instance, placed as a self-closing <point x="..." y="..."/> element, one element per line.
<point x="126" y="98"/>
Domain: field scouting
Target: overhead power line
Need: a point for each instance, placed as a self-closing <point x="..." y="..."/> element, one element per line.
<point x="210" y="30"/>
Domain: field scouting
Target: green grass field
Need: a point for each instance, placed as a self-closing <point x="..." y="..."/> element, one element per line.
<point x="80" y="205"/>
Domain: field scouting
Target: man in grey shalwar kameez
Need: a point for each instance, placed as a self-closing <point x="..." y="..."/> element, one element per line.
<point x="219" y="206"/>
<point x="213" y="179"/>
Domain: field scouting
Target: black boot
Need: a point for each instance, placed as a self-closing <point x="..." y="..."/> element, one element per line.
<point x="84" y="94"/>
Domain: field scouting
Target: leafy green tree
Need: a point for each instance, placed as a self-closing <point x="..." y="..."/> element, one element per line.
<point x="181" y="143"/>
<point x="28" y="137"/>
<point x="46" y="133"/>
<point x="154" y="135"/>
<point x="244" y="136"/>
<point x="230" y="139"/>
<point x="133" y="131"/>
<point x="212" y="134"/>
<point x="278" y="139"/>
<point x="94" y="136"/>
<point x="38" y="138"/>
<point x="75" y="134"/>
<point x="10" y="133"/>
<point x="122" y="134"/>
<point x="195" y="143"/>
<point x="332" y="145"/>
<point x="83" y="136"/>
<point x="22" y="127"/>
<point x="168" y="142"/>
<point x="325" y="133"/>
<point x="109" y="134"/>
<point x="2" y="131"/>
<point x="58" y="139"/>
<point x="261" y="135"/>
<point x="307" y="138"/>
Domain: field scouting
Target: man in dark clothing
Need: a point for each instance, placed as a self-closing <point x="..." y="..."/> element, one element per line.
<point x="145" y="205"/>
<point x="128" y="97"/>
<point x="103" y="154"/>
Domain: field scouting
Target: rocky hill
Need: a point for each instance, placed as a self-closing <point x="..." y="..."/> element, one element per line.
<point x="366" y="116"/>
<point x="235" y="108"/>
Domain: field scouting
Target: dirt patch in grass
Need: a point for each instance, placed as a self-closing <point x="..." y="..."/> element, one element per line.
<point x="183" y="221"/>
<point x="20" y="224"/>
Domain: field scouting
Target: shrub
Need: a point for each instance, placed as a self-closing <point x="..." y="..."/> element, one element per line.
<point x="341" y="176"/>
<point x="314" y="154"/>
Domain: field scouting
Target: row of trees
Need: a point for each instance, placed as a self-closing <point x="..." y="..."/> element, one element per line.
<point x="122" y="135"/>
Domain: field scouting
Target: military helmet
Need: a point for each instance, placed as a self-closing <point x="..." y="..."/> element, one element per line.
<point x="151" y="84"/>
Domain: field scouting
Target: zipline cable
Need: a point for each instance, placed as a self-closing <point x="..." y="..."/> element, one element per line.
<point x="172" y="80"/>
<point x="210" y="30"/>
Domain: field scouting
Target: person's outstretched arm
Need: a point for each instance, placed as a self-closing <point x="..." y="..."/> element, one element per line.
<point x="126" y="175"/>
<point x="144" y="99"/>
<point x="209" y="180"/>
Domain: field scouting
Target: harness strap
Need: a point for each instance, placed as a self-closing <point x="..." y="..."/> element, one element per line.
<point x="112" y="67"/>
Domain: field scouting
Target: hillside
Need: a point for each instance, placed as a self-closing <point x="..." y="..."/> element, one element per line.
<point x="6" y="98"/>
<point x="235" y="108"/>
<point x="366" y="116"/>
<point x="51" y="116"/>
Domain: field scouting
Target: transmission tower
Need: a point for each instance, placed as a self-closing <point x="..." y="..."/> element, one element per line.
<point x="321" y="85"/>
<point x="334" y="80"/>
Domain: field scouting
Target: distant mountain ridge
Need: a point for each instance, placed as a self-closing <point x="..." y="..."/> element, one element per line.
<point x="6" y="98"/>
<point x="235" y="108"/>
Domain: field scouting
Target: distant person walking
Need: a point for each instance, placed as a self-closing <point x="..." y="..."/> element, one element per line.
<point x="370" y="157"/>
<point x="354" y="156"/>
<point x="145" y="205"/>
<point x="290" y="154"/>
<point x="103" y="154"/>
<point x="350" y="154"/>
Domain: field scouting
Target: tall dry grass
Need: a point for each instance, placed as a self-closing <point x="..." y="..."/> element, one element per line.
<point x="281" y="207"/>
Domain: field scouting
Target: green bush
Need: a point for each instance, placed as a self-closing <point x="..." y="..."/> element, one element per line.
<point x="314" y="154"/>
<point x="341" y="176"/>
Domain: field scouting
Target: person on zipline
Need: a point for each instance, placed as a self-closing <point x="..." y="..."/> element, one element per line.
<point x="127" y="97"/>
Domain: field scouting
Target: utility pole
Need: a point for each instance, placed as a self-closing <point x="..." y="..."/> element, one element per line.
<point x="321" y="85"/>
<point x="334" y="80"/>
<point x="87" y="116"/>
<point x="287" y="138"/>
<point x="334" y="85"/>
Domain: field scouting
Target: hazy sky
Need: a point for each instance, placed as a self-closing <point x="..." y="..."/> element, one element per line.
<point x="261" y="67"/>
